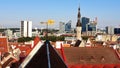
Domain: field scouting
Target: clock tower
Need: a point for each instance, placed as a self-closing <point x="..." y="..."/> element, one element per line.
<point x="78" y="26"/>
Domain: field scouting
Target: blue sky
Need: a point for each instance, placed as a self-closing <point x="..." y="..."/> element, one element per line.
<point x="13" y="11"/>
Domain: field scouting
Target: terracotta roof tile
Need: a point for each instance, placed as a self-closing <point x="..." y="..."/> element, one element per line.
<point x="100" y="55"/>
<point x="3" y="44"/>
<point x="36" y="40"/>
<point x="94" y="66"/>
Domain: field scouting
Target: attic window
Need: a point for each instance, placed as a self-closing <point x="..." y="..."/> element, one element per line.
<point x="23" y="51"/>
<point x="102" y="58"/>
<point x="92" y="58"/>
<point x="81" y="58"/>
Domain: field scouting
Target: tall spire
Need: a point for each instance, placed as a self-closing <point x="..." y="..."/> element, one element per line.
<point x="79" y="16"/>
<point x="78" y="26"/>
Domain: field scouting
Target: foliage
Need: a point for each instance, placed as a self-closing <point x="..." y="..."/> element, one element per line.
<point x="2" y="30"/>
<point x="85" y="38"/>
<point x="25" y="39"/>
<point x="53" y="38"/>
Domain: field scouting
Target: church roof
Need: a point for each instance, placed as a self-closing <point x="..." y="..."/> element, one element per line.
<point x="40" y="59"/>
<point x="78" y="23"/>
<point x="78" y="42"/>
<point x="79" y="16"/>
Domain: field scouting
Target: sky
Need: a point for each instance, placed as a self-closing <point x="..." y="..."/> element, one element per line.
<point x="12" y="12"/>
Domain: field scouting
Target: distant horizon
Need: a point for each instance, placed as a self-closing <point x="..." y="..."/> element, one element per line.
<point x="13" y="12"/>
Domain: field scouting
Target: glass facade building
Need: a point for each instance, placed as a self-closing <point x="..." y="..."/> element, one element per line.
<point x="116" y="30"/>
<point x="85" y="21"/>
<point x="91" y="27"/>
<point x="68" y="26"/>
<point x="61" y="27"/>
<point x="110" y="30"/>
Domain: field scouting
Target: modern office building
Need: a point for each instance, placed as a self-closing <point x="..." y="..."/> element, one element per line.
<point x="116" y="30"/>
<point x="26" y="28"/>
<point x="68" y="26"/>
<point x="61" y="27"/>
<point x="110" y="30"/>
<point x="85" y="21"/>
<point x="91" y="27"/>
<point x="9" y="33"/>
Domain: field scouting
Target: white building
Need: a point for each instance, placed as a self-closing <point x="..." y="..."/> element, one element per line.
<point x="16" y="34"/>
<point x="9" y="33"/>
<point x="26" y="28"/>
<point x="62" y="27"/>
<point x="110" y="30"/>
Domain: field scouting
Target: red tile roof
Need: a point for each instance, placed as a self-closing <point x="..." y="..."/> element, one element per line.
<point x="95" y="66"/>
<point x="97" y="55"/>
<point x="36" y="40"/>
<point x="3" y="44"/>
<point x="40" y="59"/>
<point x="26" y="48"/>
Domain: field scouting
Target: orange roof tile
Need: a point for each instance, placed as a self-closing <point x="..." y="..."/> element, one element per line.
<point x="36" y="40"/>
<point x="3" y="44"/>
<point x="74" y="55"/>
<point x="94" y="66"/>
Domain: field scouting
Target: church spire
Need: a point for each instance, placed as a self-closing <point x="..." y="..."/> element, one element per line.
<point x="78" y="20"/>
<point x="78" y="26"/>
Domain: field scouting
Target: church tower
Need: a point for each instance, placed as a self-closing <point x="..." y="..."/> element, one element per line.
<point x="78" y="26"/>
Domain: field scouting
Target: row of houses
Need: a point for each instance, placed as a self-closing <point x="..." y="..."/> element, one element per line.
<point x="57" y="55"/>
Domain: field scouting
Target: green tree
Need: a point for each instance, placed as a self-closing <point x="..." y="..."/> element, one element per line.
<point x="53" y="38"/>
<point x="85" y="38"/>
<point x="25" y="39"/>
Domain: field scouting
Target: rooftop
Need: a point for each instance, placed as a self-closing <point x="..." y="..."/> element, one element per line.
<point x="3" y="44"/>
<point x="86" y="55"/>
